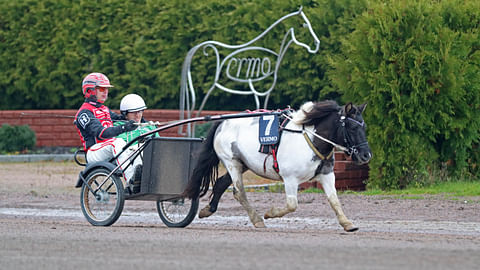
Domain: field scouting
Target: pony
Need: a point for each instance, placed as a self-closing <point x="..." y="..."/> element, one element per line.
<point x="245" y="71"/>
<point x="305" y="152"/>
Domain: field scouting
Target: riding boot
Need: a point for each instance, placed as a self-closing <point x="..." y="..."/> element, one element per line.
<point x="135" y="181"/>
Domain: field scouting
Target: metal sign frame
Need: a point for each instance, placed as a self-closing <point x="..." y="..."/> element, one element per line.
<point x="256" y="69"/>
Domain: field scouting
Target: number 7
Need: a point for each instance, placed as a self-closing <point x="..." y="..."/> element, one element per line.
<point x="270" y="119"/>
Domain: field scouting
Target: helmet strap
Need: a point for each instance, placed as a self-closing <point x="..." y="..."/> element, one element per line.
<point x="91" y="95"/>
<point x="92" y="99"/>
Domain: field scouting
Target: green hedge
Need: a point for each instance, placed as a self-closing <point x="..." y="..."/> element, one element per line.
<point x="47" y="47"/>
<point x="417" y="63"/>
<point x="16" y="138"/>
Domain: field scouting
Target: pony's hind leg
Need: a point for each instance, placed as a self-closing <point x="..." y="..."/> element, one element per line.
<point x="291" y="188"/>
<point x="328" y="184"/>
<point x="219" y="188"/>
<point x="240" y="195"/>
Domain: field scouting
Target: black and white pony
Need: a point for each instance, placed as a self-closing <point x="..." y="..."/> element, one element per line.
<point x="305" y="152"/>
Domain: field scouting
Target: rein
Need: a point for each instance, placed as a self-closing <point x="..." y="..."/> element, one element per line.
<point x="350" y="150"/>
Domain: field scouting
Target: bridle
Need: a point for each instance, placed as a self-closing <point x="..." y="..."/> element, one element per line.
<point x="350" y="149"/>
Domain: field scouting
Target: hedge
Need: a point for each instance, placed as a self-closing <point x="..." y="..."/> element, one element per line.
<point x="16" y="138"/>
<point x="417" y="63"/>
<point x="47" y="47"/>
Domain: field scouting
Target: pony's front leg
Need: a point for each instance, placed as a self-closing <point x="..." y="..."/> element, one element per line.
<point x="240" y="195"/>
<point x="291" y="188"/>
<point x="328" y="184"/>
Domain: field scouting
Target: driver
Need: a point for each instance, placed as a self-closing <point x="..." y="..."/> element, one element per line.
<point x="95" y="126"/>
<point x="132" y="107"/>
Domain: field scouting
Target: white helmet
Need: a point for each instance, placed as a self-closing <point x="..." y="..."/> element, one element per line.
<point x="132" y="103"/>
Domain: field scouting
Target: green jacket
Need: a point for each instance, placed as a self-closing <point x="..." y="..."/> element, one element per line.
<point x="130" y="135"/>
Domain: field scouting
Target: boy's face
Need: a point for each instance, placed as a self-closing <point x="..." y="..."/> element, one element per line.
<point x="136" y="116"/>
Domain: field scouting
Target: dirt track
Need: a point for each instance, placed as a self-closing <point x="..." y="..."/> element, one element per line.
<point x="42" y="227"/>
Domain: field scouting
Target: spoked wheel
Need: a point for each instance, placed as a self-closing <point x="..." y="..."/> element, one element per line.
<point x="178" y="212"/>
<point x="105" y="206"/>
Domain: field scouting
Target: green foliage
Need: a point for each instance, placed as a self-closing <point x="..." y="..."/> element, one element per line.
<point x="474" y="160"/>
<point x="453" y="188"/>
<point x="47" y="47"/>
<point x="312" y="190"/>
<point x="277" y="188"/>
<point x="201" y="130"/>
<point x="417" y="64"/>
<point x="16" y="138"/>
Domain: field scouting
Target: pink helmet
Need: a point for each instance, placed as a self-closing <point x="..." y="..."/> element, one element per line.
<point x="93" y="80"/>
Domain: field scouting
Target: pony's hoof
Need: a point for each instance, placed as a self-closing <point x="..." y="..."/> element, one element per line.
<point x="259" y="224"/>
<point x="205" y="212"/>
<point x="350" y="228"/>
<point x="269" y="213"/>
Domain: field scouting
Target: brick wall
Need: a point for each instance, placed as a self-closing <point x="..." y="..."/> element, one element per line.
<point x="55" y="128"/>
<point x="50" y="130"/>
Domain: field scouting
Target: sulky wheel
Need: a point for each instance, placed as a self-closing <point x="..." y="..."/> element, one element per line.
<point x="105" y="206"/>
<point x="177" y="212"/>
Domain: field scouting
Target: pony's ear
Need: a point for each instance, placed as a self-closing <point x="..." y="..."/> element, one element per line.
<point x="349" y="109"/>
<point x="362" y="107"/>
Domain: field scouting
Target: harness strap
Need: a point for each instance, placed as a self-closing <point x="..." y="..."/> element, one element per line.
<point x="275" y="161"/>
<point x="273" y="152"/>
<point x="291" y="130"/>
<point x="315" y="150"/>
<point x="322" y="138"/>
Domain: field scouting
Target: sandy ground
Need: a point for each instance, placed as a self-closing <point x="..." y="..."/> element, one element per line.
<point x="42" y="227"/>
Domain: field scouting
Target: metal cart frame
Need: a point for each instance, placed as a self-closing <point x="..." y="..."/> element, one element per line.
<point x="168" y="163"/>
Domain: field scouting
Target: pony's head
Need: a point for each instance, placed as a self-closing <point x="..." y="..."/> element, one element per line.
<point x="306" y="24"/>
<point x="346" y="125"/>
<point x="352" y="127"/>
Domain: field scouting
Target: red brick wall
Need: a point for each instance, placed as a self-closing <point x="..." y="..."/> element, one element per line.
<point x="55" y="128"/>
<point x="50" y="130"/>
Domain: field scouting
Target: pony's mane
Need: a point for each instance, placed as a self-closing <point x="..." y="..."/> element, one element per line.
<point x="311" y="113"/>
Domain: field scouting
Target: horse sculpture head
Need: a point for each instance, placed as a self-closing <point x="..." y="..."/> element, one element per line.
<point x="306" y="24"/>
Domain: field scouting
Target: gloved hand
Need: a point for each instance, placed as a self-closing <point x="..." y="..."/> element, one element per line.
<point x="111" y="132"/>
<point x="129" y="126"/>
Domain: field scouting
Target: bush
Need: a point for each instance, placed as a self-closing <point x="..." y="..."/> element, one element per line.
<point x="201" y="130"/>
<point x="16" y="138"/>
<point x="417" y="64"/>
<point x="47" y="47"/>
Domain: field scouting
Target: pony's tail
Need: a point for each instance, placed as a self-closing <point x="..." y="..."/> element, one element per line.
<point x="206" y="169"/>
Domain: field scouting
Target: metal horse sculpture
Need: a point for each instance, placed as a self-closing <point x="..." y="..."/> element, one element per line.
<point x="305" y="152"/>
<point x="245" y="71"/>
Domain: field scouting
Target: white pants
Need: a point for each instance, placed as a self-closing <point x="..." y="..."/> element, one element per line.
<point x="106" y="150"/>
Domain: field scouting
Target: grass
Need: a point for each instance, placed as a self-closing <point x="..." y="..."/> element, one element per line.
<point x="312" y="190"/>
<point x="449" y="189"/>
